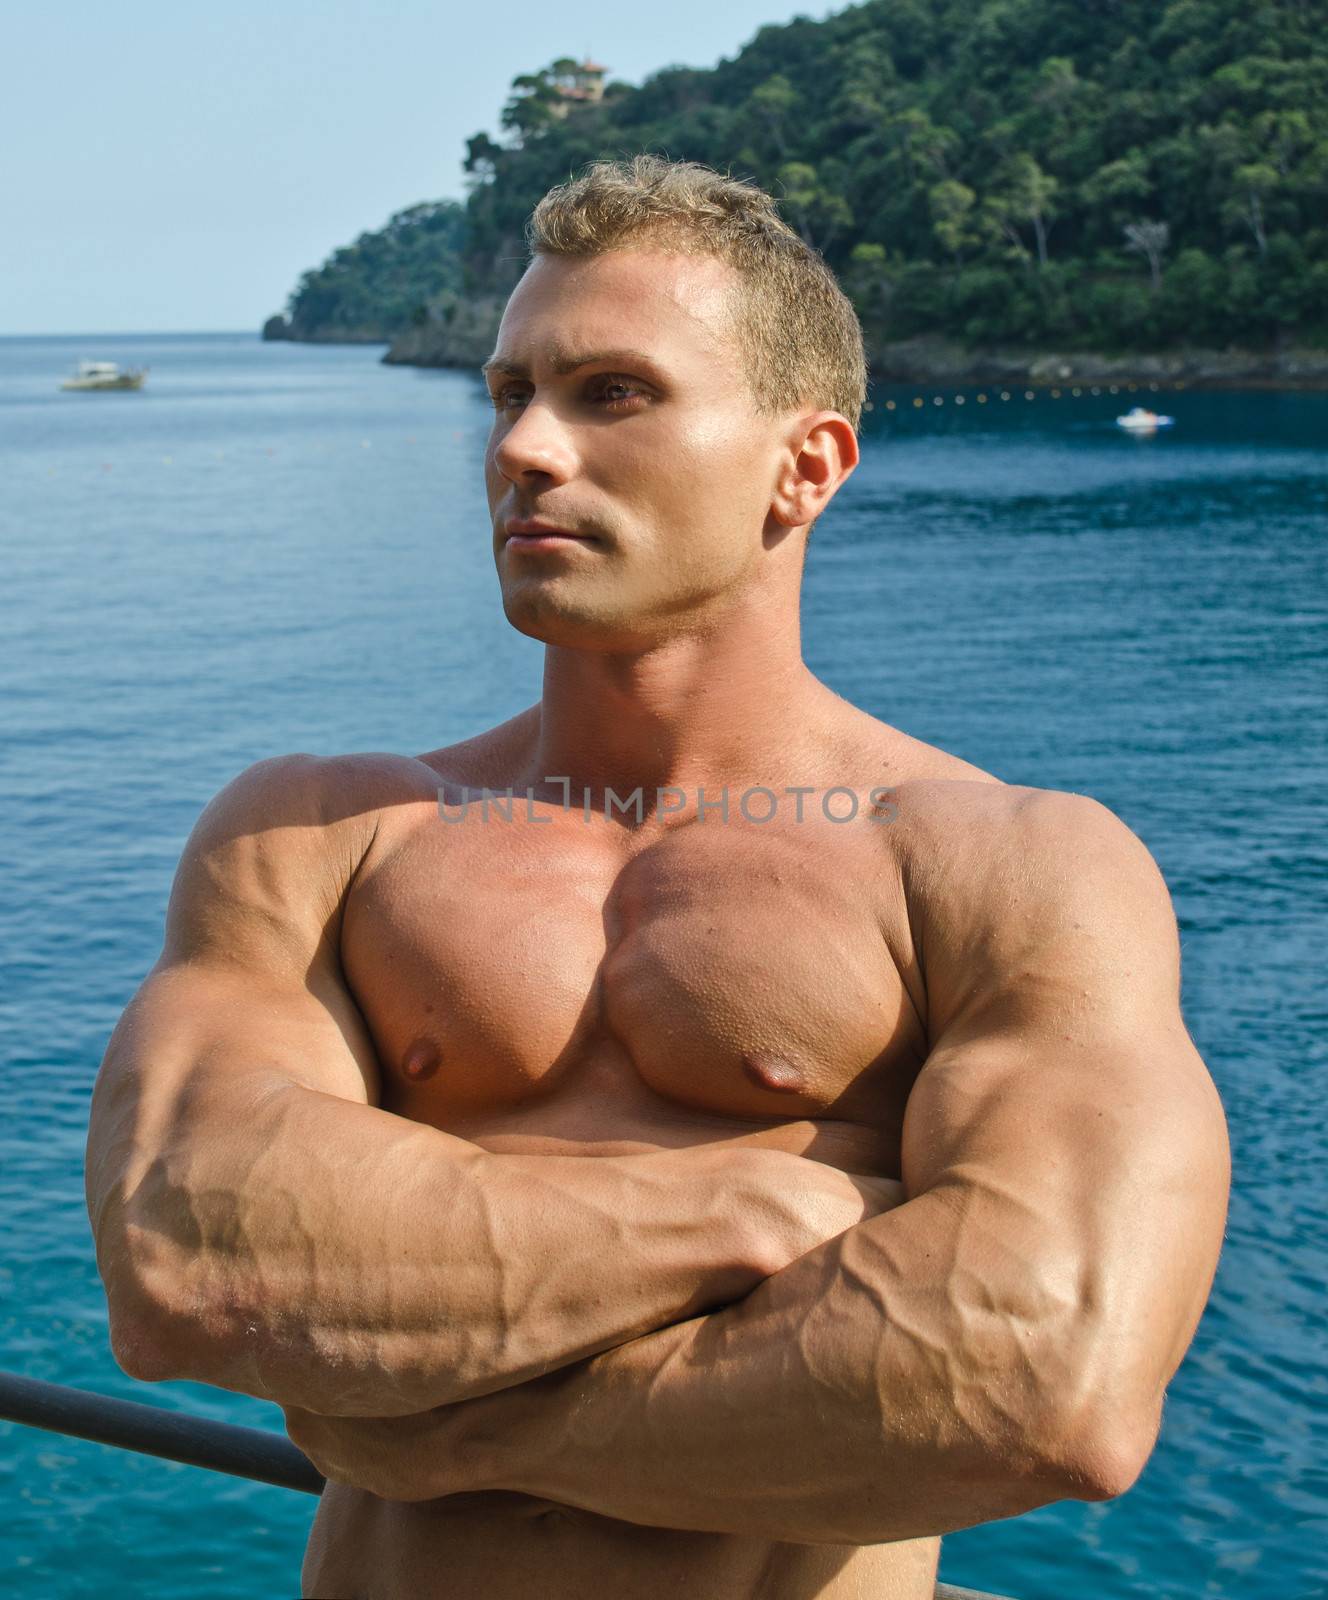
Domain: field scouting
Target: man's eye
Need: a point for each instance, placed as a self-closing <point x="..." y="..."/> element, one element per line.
<point x="616" y="393"/>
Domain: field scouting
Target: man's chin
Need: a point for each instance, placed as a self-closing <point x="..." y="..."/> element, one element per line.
<point x="571" y="627"/>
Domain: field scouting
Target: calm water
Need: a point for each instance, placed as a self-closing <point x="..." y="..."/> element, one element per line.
<point x="275" y="548"/>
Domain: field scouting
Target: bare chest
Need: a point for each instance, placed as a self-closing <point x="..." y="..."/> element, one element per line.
<point x="555" y="981"/>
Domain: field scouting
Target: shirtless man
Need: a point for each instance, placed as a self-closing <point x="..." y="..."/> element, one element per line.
<point x="624" y="1195"/>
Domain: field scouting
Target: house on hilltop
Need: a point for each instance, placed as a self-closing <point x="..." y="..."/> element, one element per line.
<point x="576" y="81"/>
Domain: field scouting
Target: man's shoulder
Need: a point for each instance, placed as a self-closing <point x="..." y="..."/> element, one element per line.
<point x="980" y="836"/>
<point x="972" y="850"/>
<point x="944" y="799"/>
<point x="316" y="791"/>
<point x="348" y="794"/>
<point x="995" y="871"/>
<point x="311" y="818"/>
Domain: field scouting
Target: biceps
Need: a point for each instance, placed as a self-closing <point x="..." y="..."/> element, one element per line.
<point x="211" y="1026"/>
<point x="1096" y="1180"/>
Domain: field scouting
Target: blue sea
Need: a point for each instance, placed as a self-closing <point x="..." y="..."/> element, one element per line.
<point x="277" y="548"/>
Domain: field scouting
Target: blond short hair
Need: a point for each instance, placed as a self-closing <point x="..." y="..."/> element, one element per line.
<point x="797" y="329"/>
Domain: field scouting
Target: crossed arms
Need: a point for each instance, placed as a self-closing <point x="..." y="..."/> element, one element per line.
<point x="733" y="1340"/>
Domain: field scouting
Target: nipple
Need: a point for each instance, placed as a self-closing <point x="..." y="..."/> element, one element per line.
<point x="422" y="1061"/>
<point x="772" y="1072"/>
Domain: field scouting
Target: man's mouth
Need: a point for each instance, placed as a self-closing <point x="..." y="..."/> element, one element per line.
<point x="532" y="532"/>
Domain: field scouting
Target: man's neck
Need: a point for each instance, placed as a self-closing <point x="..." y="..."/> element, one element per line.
<point x="737" y="705"/>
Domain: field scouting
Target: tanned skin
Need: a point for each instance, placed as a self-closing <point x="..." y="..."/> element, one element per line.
<point x="647" y="1202"/>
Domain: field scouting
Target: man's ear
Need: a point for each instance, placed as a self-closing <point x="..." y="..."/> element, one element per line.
<point x="821" y="454"/>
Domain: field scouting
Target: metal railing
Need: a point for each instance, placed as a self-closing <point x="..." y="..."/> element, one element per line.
<point x="195" y="1441"/>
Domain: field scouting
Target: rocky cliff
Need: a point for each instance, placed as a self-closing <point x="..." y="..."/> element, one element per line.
<point x="456" y="332"/>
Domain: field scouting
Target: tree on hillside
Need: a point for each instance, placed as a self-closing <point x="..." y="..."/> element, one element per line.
<point x="951" y="204"/>
<point x="815" y="208"/>
<point x="1025" y="195"/>
<point x="533" y="105"/>
<point x="1150" y="239"/>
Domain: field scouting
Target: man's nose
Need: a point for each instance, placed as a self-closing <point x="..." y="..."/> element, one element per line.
<point x="536" y="445"/>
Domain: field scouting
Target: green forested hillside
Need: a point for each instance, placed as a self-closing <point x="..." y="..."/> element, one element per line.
<point x="1086" y="173"/>
<point x="374" y="287"/>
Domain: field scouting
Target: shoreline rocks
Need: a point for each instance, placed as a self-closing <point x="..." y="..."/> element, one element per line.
<point x="934" y="361"/>
<point x="279" y="328"/>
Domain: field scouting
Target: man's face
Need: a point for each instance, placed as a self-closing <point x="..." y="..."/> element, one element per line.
<point x="623" y="413"/>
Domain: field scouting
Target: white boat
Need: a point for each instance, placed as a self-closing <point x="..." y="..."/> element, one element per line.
<point x="105" y="375"/>
<point x="1139" y="420"/>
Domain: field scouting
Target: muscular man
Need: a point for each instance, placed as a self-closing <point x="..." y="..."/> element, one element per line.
<point x="749" y="1147"/>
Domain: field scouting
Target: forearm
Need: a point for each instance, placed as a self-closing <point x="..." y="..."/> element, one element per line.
<point x="863" y="1395"/>
<point x="332" y="1256"/>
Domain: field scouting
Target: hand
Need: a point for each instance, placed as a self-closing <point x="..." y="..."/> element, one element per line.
<point x="795" y="1203"/>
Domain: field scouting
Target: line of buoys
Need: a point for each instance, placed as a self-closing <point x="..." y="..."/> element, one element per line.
<point x="983" y="397"/>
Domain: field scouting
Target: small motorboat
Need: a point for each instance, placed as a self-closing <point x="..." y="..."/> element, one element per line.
<point x="105" y="375"/>
<point x="1139" y="420"/>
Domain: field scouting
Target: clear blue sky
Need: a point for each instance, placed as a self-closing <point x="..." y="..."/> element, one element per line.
<point x="171" y="166"/>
